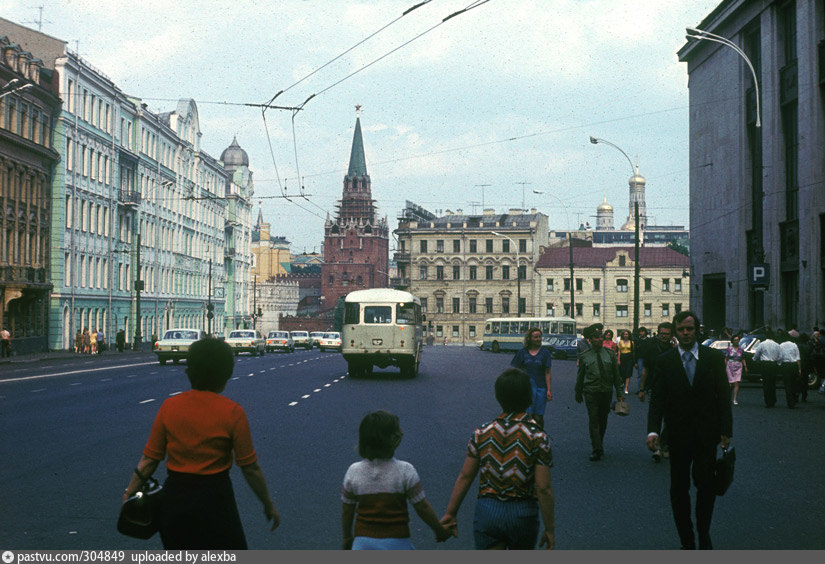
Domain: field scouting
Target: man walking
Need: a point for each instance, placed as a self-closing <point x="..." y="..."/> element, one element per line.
<point x="5" y="343"/>
<point x="655" y="347"/>
<point x="768" y="353"/>
<point x="790" y="366"/>
<point x="692" y="395"/>
<point x="598" y="373"/>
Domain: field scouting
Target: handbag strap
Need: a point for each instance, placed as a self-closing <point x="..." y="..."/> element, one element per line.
<point x="141" y="476"/>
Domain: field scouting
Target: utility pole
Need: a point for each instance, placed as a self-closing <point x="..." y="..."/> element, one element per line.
<point x="572" y="280"/>
<point x="138" y="288"/>
<point x="209" y="306"/>
<point x="636" y="268"/>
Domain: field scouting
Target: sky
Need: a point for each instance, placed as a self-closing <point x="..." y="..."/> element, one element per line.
<point x="482" y="110"/>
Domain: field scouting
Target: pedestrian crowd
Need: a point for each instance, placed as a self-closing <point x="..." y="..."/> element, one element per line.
<point x="90" y="342"/>
<point x="687" y="385"/>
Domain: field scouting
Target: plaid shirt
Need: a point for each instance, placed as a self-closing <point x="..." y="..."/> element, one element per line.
<point x="508" y="449"/>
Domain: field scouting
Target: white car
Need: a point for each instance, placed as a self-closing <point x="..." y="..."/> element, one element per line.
<point x="279" y="341"/>
<point x="331" y="340"/>
<point x="246" y="340"/>
<point x="315" y="337"/>
<point x="175" y="343"/>
<point x="301" y="339"/>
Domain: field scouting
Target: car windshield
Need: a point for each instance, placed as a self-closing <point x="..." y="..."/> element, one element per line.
<point x="331" y="336"/>
<point x="278" y="335"/>
<point x="242" y="335"/>
<point x="299" y="334"/>
<point x="193" y="335"/>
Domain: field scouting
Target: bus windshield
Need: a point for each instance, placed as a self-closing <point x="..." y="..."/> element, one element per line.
<point x="405" y="314"/>
<point x="377" y="314"/>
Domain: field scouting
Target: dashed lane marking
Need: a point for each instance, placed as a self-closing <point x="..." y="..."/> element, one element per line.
<point x="148" y="400"/>
<point x="96" y="369"/>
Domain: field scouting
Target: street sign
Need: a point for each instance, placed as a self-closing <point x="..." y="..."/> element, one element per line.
<point x="759" y="275"/>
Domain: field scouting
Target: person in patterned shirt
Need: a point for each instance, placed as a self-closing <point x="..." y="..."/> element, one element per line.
<point x="513" y="457"/>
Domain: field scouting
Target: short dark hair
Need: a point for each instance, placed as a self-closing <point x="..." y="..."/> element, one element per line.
<point x="209" y="364"/>
<point x="666" y="325"/>
<point x="682" y="315"/>
<point x="379" y="435"/>
<point x="513" y="390"/>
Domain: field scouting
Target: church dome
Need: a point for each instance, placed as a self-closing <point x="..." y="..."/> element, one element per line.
<point x="234" y="155"/>
<point x="605" y="207"/>
<point x="637" y="178"/>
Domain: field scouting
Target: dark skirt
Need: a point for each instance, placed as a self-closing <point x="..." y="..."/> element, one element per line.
<point x="626" y="365"/>
<point x="200" y="513"/>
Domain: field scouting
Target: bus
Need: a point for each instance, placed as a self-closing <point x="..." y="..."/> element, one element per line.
<point x="507" y="334"/>
<point x="382" y="327"/>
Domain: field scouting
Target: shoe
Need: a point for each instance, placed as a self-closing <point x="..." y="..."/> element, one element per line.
<point x="595" y="456"/>
<point x="657" y="456"/>
<point x="735" y="402"/>
<point x="665" y="453"/>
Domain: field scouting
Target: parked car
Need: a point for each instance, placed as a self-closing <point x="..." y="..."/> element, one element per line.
<point x="279" y="341"/>
<point x="175" y="343"/>
<point x="301" y="339"/>
<point x="315" y="337"/>
<point x="331" y="340"/>
<point x="246" y="340"/>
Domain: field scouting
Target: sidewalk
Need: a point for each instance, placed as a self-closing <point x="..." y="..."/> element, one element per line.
<point x="58" y="355"/>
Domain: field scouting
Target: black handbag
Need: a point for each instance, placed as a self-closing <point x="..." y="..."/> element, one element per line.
<point x="723" y="471"/>
<point x="140" y="514"/>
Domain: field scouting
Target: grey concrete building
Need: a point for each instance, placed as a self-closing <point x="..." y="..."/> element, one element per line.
<point x="757" y="204"/>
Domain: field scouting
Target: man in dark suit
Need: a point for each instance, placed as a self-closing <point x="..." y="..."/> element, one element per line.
<point x="692" y="394"/>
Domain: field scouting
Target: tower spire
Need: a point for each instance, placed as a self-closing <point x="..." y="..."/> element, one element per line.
<point x="357" y="160"/>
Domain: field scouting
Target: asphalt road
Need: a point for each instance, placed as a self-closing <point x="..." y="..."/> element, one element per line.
<point x="71" y="430"/>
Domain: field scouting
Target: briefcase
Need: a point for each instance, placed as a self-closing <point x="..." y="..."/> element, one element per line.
<point x="723" y="472"/>
<point x="621" y="407"/>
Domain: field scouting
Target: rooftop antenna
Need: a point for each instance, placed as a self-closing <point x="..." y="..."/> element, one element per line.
<point x="39" y="21"/>
<point x="522" y="195"/>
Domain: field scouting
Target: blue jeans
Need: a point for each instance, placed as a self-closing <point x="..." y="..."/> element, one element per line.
<point x="539" y="402"/>
<point x="370" y="543"/>
<point x="515" y="524"/>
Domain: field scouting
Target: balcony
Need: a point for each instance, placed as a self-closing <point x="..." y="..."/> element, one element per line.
<point x="401" y="257"/>
<point x="129" y="199"/>
<point x="400" y="283"/>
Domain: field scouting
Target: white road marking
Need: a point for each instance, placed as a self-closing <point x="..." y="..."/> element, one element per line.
<point x="262" y="372"/>
<point x="38" y="390"/>
<point x="75" y="383"/>
<point x="294" y="403"/>
<point x="96" y="369"/>
<point x="174" y="394"/>
<point x="316" y="390"/>
<point x="327" y="385"/>
<point x="148" y="400"/>
<point x="305" y="396"/>
<point x="105" y="379"/>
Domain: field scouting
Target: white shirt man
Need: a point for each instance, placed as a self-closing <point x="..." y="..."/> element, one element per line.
<point x="769" y="353"/>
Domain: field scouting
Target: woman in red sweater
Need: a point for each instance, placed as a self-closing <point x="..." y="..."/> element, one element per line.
<point x="197" y="432"/>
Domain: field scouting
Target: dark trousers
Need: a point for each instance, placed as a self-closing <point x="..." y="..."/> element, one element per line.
<point x="598" y="408"/>
<point x="769" y="371"/>
<point x="790" y="377"/>
<point x="5" y="348"/>
<point x="696" y="461"/>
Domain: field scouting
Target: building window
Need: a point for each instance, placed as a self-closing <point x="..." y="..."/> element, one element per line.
<point x="424" y="305"/>
<point x="579" y="284"/>
<point x="456" y="305"/>
<point x="550" y="309"/>
<point x="522" y="272"/>
<point x="473" y="273"/>
<point x="473" y="246"/>
<point x="621" y="311"/>
<point x="522" y="245"/>
<point x="439" y="246"/>
<point x="471" y="305"/>
<point x="622" y="260"/>
<point x="665" y="284"/>
<point x="439" y="330"/>
<point x="489" y="245"/>
<point x="471" y="331"/>
<point x="505" y="305"/>
<point x="648" y="310"/>
<point x="597" y="310"/>
<point x="488" y="305"/>
<point x="579" y="310"/>
<point x="456" y="273"/>
<point x="455" y="331"/>
<point x="422" y="272"/>
<point x="505" y="245"/>
<point x="456" y="245"/>
<point x="665" y="310"/>
<point x="677" y="308"/>
<point x="422" y="245"/>
<point x="677" y="284"/>
<point x="567" y="309"/>
<point x="550" y="287"/>
<point x="505" y="272"/>
<point x="439" y="305"/>
<point x="597" y="284"/>
<point x="488" y="272"/>
<point x="439" y="273"/>
<point x="648" y="285"/>
<point x="621" y="285"/>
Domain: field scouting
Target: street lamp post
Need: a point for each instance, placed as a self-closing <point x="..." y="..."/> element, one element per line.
<point x="518" y="271"/>
<point x="636" y="266"/>
<point x="699" y="34"/>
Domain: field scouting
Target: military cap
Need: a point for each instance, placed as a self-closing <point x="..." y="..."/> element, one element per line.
<point x="588" y="332"/>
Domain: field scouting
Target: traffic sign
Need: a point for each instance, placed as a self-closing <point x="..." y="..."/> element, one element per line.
<point x="759" y="274"/>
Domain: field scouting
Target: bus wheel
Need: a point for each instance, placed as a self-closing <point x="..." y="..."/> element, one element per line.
<point x="354" y="370"/>
<point x="494" y="347"/>
<point x="408" y="369"/>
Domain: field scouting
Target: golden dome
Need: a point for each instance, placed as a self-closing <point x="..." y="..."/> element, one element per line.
<point x="605" y="207"/>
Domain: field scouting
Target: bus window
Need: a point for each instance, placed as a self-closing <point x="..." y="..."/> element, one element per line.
<point x="377" y="314"/>
<point x="545" y="327"/>
<point x="568" y="328"/>
<point x="351" y="310"/>
<point x="493" y="328"/>
<point x="555" y="328"/>
<point x="505" y="328"/>
<point x="523" y="326"/>
<point x="405" y="314"/>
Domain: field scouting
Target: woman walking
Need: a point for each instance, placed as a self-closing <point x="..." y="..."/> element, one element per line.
<point x="609" y="343"/>
<point x="536" y="361"/>
<point x="198" y="432"/>
<point x="735" y="365"/>
<point x="626" y="353"/>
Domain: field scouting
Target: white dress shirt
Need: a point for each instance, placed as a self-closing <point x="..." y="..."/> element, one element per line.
<point x="789" y="352"/>
<point x="767" y="350"/>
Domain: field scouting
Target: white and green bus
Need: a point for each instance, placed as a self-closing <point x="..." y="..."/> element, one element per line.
<point x="382" y="327"/>
<point x="507" y="334"/>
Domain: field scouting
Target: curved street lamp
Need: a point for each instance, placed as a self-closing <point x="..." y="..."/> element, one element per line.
<point x="698" y="34"/>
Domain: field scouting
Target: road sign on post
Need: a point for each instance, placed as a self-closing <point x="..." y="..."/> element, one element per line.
<point x="759" y="275"/>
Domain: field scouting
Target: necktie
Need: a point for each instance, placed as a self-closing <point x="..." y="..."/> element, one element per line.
<point x="688" y="361"/>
